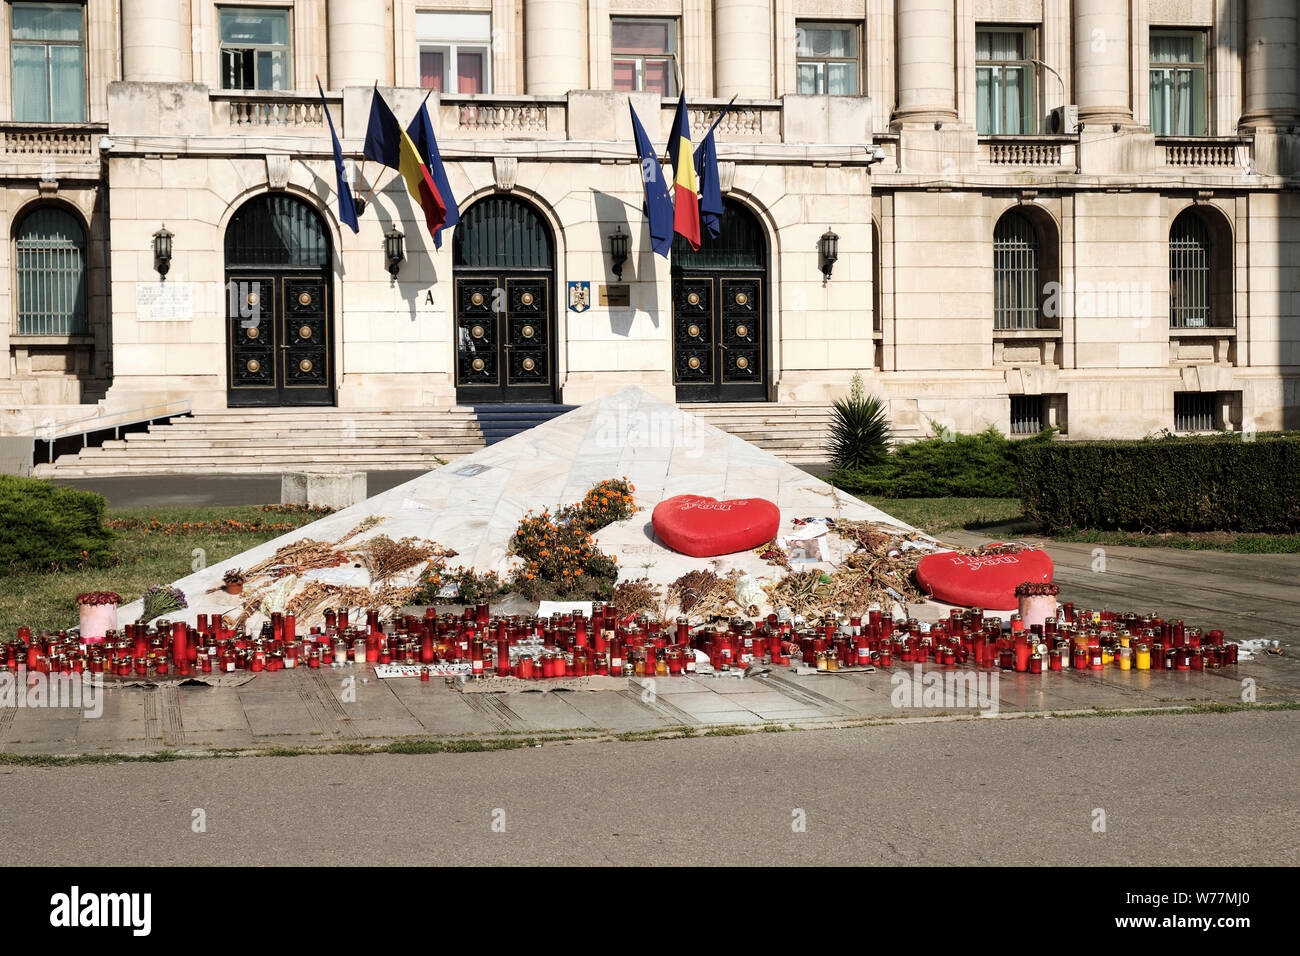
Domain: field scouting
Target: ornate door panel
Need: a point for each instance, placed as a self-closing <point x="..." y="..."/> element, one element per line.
<point x="718" y="333"/>
<point x="304" y="338"/>
<point x="505" y="339"/>
<point x="478" y="350"/>
<point x="280" y="342"/>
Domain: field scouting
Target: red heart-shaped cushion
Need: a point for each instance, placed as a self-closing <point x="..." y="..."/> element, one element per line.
<point x="981" y="580"/>
<point x="701" y="526"/>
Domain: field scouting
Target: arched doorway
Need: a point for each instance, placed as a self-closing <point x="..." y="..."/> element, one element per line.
<point x="720" y="312"/>
<point x="504" y="274"/>
<point x="279" y="318"/>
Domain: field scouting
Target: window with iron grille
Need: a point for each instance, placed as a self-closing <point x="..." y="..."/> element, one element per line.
<point x="51" y="252"/>
<point x="1190" y="251"/>
<point x="1195" y="411"/>
<point x="1027" y="416"/>
<point x="1017" y="302"/>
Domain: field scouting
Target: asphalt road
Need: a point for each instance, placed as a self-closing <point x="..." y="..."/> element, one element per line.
<point x="1189" y="790"/>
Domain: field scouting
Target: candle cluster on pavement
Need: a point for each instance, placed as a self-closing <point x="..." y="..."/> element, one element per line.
<point x="609" y="643"/>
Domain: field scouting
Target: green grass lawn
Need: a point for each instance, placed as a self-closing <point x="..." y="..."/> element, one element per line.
<point x="154" y="553"/>
<point x="156" y="548"/>
<point x="936" y="515"/>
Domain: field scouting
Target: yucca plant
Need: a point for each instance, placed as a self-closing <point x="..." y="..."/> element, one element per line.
<point x="859" y="434"/>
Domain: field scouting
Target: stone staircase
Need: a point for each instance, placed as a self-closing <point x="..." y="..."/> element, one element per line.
<point x="273" y="440"/>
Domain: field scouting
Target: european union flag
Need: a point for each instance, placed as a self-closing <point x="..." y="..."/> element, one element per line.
<point x="426" y="144"/>
<point x="659" y="207"/>
<point x="347" y="208"/>
<point x="706" y="171"/>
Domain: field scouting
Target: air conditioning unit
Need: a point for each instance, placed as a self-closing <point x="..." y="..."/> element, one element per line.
<point x="1064" y="120"/>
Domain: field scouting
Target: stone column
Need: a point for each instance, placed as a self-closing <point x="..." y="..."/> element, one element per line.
<point x="1101" y="62"/>
<point x="555" y="46"/>
<point x="358" y="43"/>
<point x="926" y="61"/>
<point x="151" y="41"/>
<point x="1272" y="95"/>
<point x="742" y="49"/>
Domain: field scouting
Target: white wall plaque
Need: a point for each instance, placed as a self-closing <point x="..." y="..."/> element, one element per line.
<point x="164" y="301"/>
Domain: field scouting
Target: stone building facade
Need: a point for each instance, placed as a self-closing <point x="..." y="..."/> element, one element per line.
<point x="1070" y="212"/>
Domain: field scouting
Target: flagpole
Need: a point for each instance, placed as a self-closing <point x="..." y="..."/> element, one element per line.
<point x="720" y="115"/>
<point x="373" y="92"/>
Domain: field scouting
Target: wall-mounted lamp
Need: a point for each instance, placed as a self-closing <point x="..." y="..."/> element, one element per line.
<point x="938" y="124"/>
<point x="829" y="247"/>
<point x="393" y="250"/>
<point x="162" y="251"/>
<point x="618" y="250"/>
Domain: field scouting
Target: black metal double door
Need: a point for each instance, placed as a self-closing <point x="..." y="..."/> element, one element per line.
<point x="280" y="340"/>
<point x="718" y="334"/>
<point x="505" y="338"/>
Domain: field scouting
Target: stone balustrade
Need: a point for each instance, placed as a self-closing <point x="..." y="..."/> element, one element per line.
<point x="1204" y="153"/>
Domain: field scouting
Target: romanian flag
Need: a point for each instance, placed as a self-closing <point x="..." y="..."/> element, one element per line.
<point x="686" y="190"/>
<point x="388" y="143"/>
<point x="426" y="144"/>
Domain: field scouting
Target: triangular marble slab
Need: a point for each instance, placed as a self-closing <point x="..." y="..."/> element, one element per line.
<point x="474" y="503"/>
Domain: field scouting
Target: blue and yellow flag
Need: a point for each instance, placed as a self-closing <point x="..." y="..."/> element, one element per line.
<point x="347" y="208"/>
<point x="659" y="208"/>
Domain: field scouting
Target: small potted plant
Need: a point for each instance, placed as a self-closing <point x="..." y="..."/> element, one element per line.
<point x="232" y="582"/>
<point x="1037" y="601"/>
<point x="98" y="615"/>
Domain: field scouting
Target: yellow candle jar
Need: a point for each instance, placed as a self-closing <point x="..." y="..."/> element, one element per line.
<point x="1143" y="657"/>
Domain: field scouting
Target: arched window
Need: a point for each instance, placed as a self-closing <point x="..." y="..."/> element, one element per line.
<point x="1191" y="263"/>
<point x="1017" y="273"/>
<point x="51" y="256"/>
<point x="274" y="230"/>
<point x="502" y="232"/>
<point x="740" y="243"/>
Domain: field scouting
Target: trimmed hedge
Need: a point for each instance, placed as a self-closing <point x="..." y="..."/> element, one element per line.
<point x="1202" y="483"/>
<point x="45" y="526"/>
<point x="986" y="465"/>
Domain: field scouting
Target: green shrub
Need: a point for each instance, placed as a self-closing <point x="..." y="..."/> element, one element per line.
<point x="45" y="526"/>
<point x="1202" y="483"/>
<point x="951" y="465"/>
<point x="859" y="433"/>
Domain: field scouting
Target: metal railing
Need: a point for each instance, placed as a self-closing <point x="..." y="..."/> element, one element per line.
<point x="89" y="424"/>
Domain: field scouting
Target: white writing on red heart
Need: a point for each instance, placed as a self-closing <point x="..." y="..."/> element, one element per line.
<point x="973" y="561"/>
<point x="711" y="505"/>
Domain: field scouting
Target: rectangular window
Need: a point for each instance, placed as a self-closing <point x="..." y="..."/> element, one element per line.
<point x="1196" y="411"/>
<point x="645" y="53"/>
<point x="826" y="57"/>
<point x="1004" y="82"/>
<point x="1027" y="414"/>
<point x="254" y="49"/>
<point x="49" y="62"/>
<point x="1178" y="87"/>
<point x="455" y="51"/>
